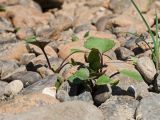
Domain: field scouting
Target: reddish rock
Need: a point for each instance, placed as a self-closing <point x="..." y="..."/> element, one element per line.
<point x="26" y="103"/>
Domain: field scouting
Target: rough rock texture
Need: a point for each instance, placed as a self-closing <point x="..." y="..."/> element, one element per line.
<point x="147" y="68"/>
<point x="70" y="110"/>
<point x="148" y="108"/>
<point x="26" y="103"/>
<point x="121" y="108"/>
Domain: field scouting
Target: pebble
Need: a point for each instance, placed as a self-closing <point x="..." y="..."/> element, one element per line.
<point x="13" y="88"/>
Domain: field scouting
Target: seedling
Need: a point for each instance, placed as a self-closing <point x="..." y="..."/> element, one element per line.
<point x="92" y="73"/>
<point x="156" y="41"/>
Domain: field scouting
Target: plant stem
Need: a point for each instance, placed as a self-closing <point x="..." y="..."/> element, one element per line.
<point x="61" y="65"/>
<point x="144" y="20"/>
<point x="49" y="65"/>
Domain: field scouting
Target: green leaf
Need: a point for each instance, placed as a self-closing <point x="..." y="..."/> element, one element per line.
<point x="31" y="39"/>
<point x="103" y="80"/>
<point x="94" y="60"/>
<point x="74" y="38"/>
<point x="80" y="75"/>
<point x="132" y="74"/>
<point x="101" y="44"/>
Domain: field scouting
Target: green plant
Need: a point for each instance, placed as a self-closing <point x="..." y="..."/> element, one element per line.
<point x="156" y="42"/>
<point x="92" y="73"/>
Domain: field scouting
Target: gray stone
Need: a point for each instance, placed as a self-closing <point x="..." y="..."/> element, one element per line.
<point x="84" y="27"/>
<point x="147" y="68"/>
<point x="148" y="108"/>
<point x="68" y="92"/>
<point x="102" y="94"/>
<point x="101" y="24"/>
<point x="44" y="31"/>
<point x="131" y="87"/>
<point x="44" y="72"/>
<point x="111" y="54"/>
<point x="75" y="110"/>
<point x="62" y="22"/>
<point x="27" y="77"/>
<point x="6" y="68"/>
<point x="119" y="108"/>
<point x="2" y="87"/>
<point x="123" y="53"/>
<point x="13" y="88"/>
<point x="26" y="58"/>
<point x="5" y="25"/>
<point x="63" y="92"/>
<point x="84" y="96"/>
<point x="40" y="85"/>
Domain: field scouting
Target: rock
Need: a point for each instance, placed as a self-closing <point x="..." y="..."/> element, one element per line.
<point x="119" y="107"/>
<point x="63" y="92"/>
<point x="148" y="108"/>
<point x="121" y="6"/>
<point x="35" y="17"/>
<point x="102" y="94"/>
<point x="2" y="87"/>
<point x="29" y="3"/>
<point x="9" y="50"/>
<point x="5" y="25"/>
<point x="50" y="51"/>
<point x="40" y="85"/>
<point x="110" y="55"/>
<point x="114" y="66"/>
<point x="123" y="53"/>
<point x="44" y="72"/>
<point x="26" y="58"/>
<point x="22" y="68"/>
<point x="84" y="96"/>
<point x="40" y="61"/>
<point x="62" y="23"/>
<point x="68" y="92"/>
<point x="7" y="37"/>
<point x="102" y="23"/>
<point x="44" y="31"/>
<point x="85" y="27"/>
<point x="147" y="68"/>
<point x="129" y="22"/>
<point x="82" y="17"/>
<point x="26" y="103"/>
<point x="51" y="91"/>
<point x="13" y="88"/>
<point x="27" y="77"/>
<point x="24" y="33"/>
<point x="7" y="67"/>
<point x="76" y="110"/>
<point x="140" y="87"/>
<point x="128" y="86"/>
